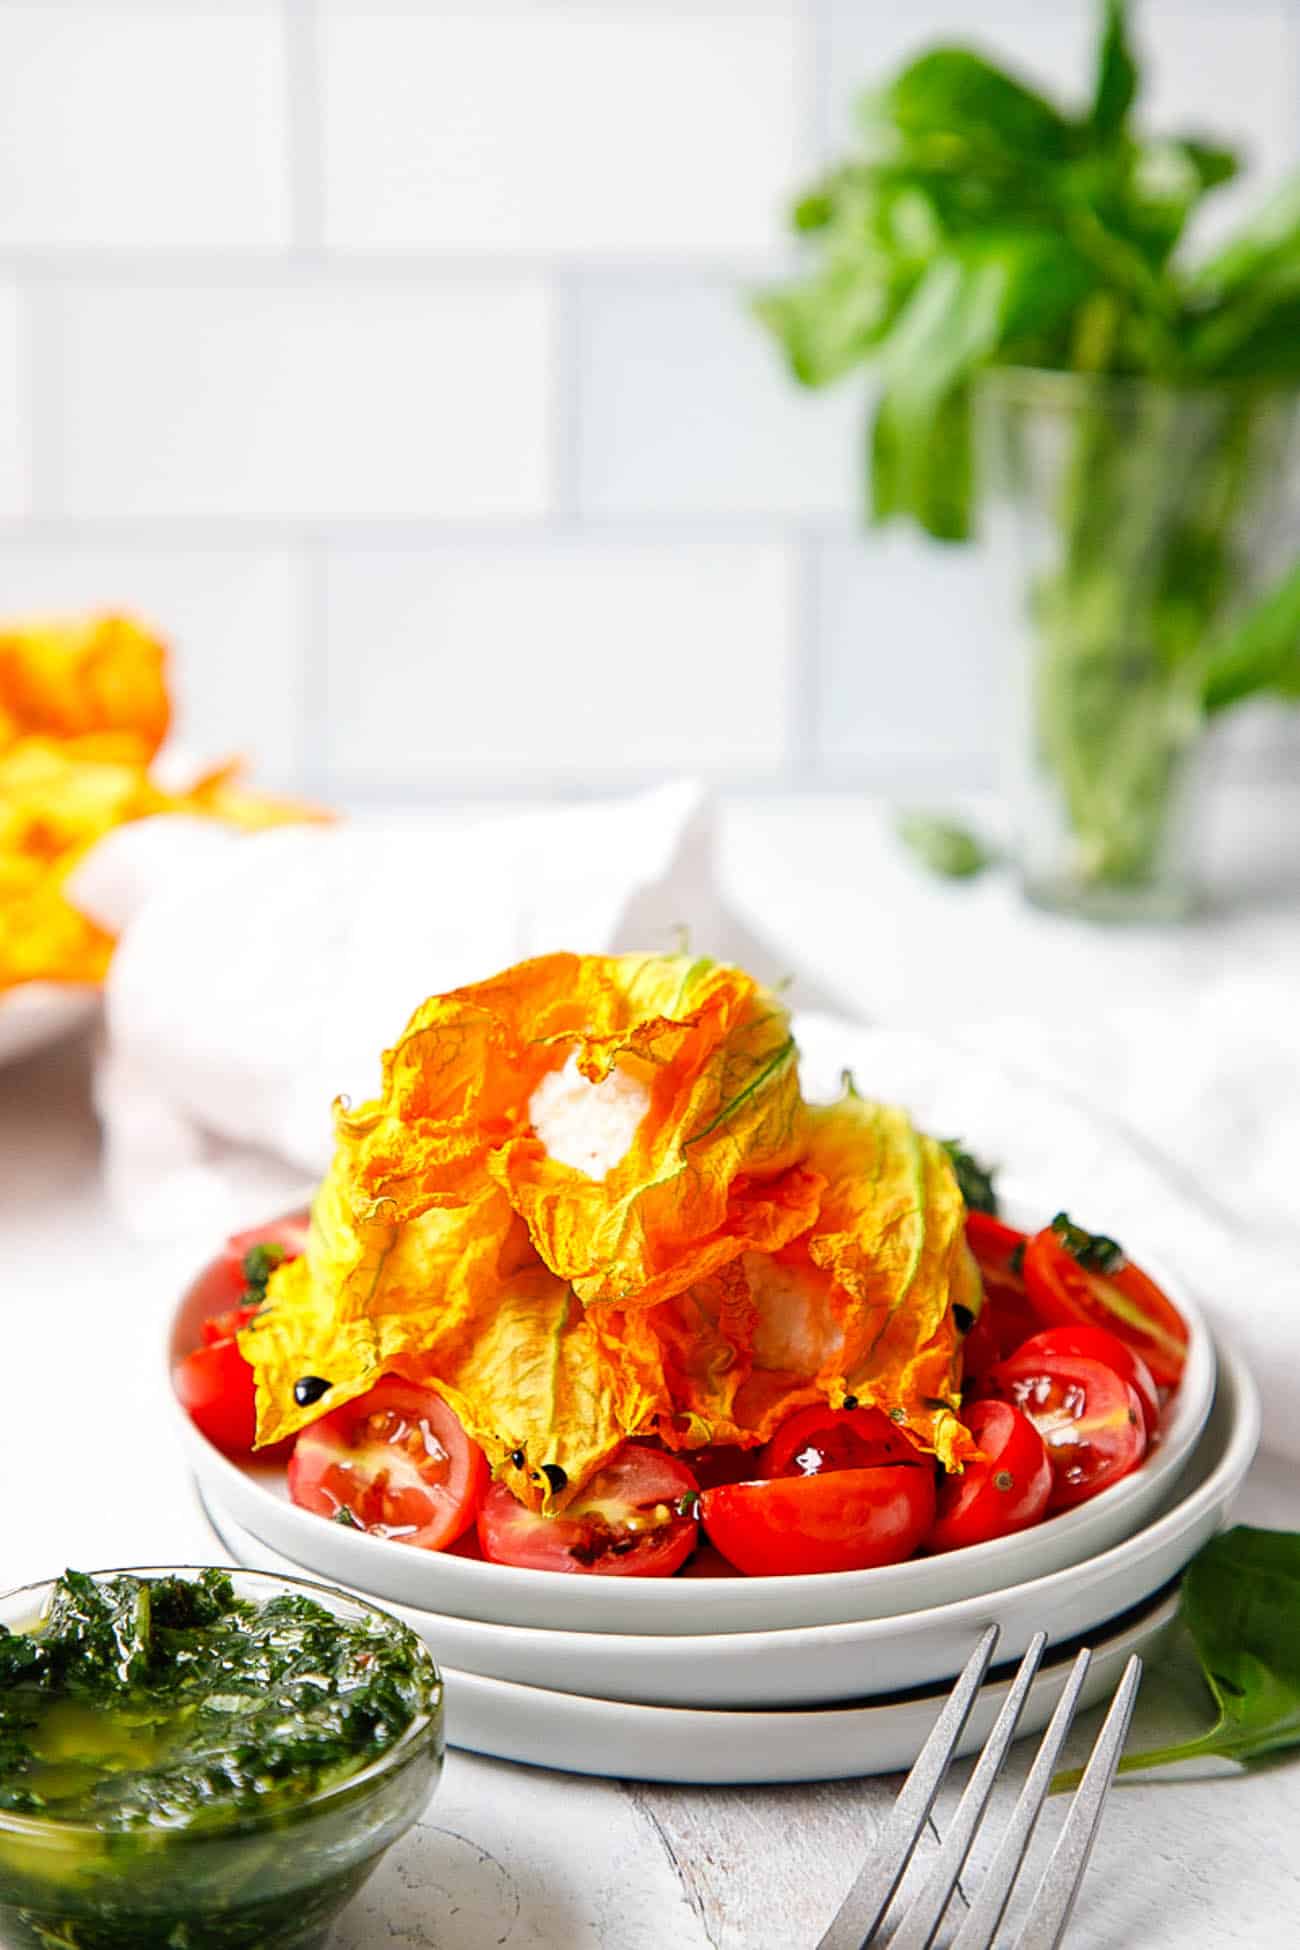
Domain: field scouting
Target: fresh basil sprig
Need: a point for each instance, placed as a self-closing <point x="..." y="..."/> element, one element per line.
<point x="1241" y="1605"/>
<point x="980" y="224"/>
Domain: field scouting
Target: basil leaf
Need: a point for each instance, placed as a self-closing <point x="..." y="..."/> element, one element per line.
<point x="944" y="847"/>
<point x="1241" y="1605"/>
<point x="1117" y="76"/>
<point x="975" y="104"/>
<point x="1262" y="651"/>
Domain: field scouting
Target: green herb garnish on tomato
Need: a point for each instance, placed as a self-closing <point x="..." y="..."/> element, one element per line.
<point x="1094" y="1250"/>
<point x="974" y="1180"/>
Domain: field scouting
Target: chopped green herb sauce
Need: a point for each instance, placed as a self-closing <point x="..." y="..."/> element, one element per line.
<point x="165" y="1700"/>
<point x="172" y="1732"/>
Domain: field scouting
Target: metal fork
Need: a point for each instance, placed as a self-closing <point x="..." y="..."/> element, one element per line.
<point x="857" y="1922"/>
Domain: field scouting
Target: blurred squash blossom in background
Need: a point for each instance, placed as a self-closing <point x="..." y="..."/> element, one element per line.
<point x="84" y="710"/>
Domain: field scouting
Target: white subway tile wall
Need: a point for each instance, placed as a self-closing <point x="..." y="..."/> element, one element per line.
<point x="536" y="663"/>
<point x="14" y="423"/>
<point x="396" y="357"/>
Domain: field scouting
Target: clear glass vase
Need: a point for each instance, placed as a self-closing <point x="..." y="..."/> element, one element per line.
<point x="1127" y="522"/>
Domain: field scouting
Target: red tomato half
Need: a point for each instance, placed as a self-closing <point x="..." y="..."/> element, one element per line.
<point x="999" y="1248"/>
<point x="626" y="1523"/>
<point x="818" y="1439"/>
<point x="1122" y="1299"/>
<point x="222" y="1283"/>
<point x="844" y="1520"/>
<point x="290" y="1234"/>
<point x="398" y="1461"/>
<point x="1089" y="1417"/>
<point x="1099" y="1345"/>
<point x="1008" y="1315"/>
<point x="215" y="1384"/>
<point x="1007" y="1490"/>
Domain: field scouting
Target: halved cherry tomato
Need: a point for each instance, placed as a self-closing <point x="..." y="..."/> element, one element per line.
<point x="628" y="1522"/>
<point x="844" y="1520"/>
<point x="1100" y="1345"/>
<point x="223" y="1281"/>
<point x="1089" y="1417"/>
<point x="289" y="1233"/>
<point x="398" y="1461"/>
<point x="215" y="1384"/>
<point x="1120" y="1298"/>
<point x="999" y="1248"/>
<point x="1006" y="1490"/>
<point x="224" y="1327"/>
<point x="819" y="1438"/>
<point x="1007" y="1316"/>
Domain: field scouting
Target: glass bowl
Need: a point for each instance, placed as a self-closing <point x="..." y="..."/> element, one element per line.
<point x="273" y="1881"/>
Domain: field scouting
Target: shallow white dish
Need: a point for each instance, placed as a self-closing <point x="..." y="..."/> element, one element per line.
<point x="39" y="1013"/>
<point x="256" y="1496"/>
<point x="666" y="1743"/>
<point x="822" y="1663"/>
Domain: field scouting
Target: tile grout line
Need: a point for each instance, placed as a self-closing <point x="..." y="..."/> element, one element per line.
<point x="413" y="532"/>
<point x="313" y="675"/>
<point x="304" y="137"/>
<point x="566" y="403"/>
<point x="43" y="404"/>
<point x="804" y="697"/>
<point x="188" y="266"/>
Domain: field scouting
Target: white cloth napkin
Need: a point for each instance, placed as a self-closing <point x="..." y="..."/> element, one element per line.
<point x="259" y="977"/>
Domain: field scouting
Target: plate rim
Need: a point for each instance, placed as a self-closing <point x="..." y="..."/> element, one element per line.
<point x="479" y="1579"/>
<point x="1225" y="1477"/>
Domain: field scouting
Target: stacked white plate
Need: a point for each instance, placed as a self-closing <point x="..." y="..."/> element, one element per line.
<point x="714" y="1678"/>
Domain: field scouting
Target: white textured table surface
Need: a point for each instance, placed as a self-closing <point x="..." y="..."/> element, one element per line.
<point x="518" y="1857"/>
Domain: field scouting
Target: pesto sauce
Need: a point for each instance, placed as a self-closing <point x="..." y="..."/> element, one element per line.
<point x="169" y="1702"/>
<point x="166" y="1734"/>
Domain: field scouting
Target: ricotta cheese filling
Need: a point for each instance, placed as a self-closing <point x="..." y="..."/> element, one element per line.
<point x="589" y="1126"/>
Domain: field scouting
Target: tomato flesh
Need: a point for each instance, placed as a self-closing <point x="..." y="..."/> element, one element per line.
<point x="1124" y="1301"/>
<point x="840" y="1520"/>
<point x="1098" y="1344"/>
<point x="628" y="1521"/>
<point x="397" y="1461"/>
<point x="1089" y="1417"/>
<point x="1008" y="1315"/>
<point x="289" y="1234"/>
<point x="1006" y="1490"/>
<point x="818" y="1439"/>
<point x="999" y="1248"/>
<point x="215" y="1385"/>
<point x="222" y="1283"/>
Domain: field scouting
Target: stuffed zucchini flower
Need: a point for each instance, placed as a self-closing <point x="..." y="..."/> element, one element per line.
<point x="626" y="1125"/>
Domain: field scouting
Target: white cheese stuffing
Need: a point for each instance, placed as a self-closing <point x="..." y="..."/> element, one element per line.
<point x="795" y="1330"/>
<point x="589" y="1126"/>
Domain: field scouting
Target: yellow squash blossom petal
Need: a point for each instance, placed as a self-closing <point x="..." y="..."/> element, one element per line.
<point x="88" y="675"/>
<point x="57" y="798"/>
<point x="860" y="1306"/>
<point x="375" y="1292"/>
<point x="690" y="1063"/>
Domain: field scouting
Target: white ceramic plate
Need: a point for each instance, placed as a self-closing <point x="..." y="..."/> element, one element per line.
<point x="255" y="1495"/>
<point x="665" y="1743"/>
<point x="822" y="1663"/>
<point x="39" y="1013"/>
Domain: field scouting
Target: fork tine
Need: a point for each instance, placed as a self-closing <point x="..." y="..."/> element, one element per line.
<point x="872" y="1892"/>
<point x="925" y="1912"/>
<point x="986" y="1911"/>
<point x="1054" y="1899"/>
